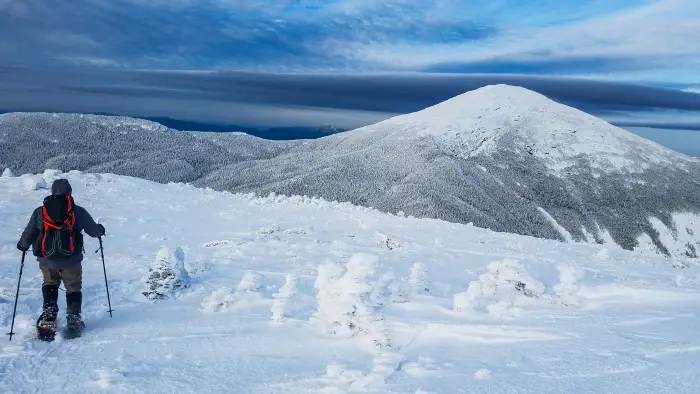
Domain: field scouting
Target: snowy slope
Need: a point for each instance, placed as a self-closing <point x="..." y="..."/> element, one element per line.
<point x="439" y="307"/>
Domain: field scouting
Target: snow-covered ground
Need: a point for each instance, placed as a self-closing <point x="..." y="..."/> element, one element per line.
<point x="294" y="295"/>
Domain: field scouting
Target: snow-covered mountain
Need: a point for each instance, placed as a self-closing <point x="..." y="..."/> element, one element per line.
<point x="30" y="142"/>
<point x="503" y="158"/>
<point x="500" y="157"/>
<point x="300" y="295"/>
<point x="501" y="118"/>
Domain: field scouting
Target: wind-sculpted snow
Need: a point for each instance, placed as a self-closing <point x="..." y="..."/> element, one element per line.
<point x="501" y="157"/>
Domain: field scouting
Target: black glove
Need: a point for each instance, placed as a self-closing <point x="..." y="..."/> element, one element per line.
<point x="101" y="228"/>
<point x="21" y="248"/>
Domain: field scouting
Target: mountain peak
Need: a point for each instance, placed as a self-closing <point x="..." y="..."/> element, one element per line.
<point x="512" y="118"/>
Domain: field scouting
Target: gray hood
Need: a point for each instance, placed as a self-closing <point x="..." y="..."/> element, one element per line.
<point x="61" y="187"/>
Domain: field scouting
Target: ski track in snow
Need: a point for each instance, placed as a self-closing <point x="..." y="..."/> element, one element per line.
<point x="601" y="319"/>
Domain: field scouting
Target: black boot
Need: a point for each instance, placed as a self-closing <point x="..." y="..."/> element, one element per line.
<point x="50" y="304"/>
<point x="46" y="323"/>
<point x="74" y="319"/>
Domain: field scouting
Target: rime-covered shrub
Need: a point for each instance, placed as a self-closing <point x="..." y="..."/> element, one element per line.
<point x="381" y="292"/>
<point x="167" y="276"/>
<point x="500" y="290"/>
<point x="34" y="182"/>
<point x="567" y="289"/>
<point x="51" y="175"/>
<point x="251" y="282"/>
<point x="218" y="300"/>
<point x="345" y="307"/>
<point x="283" y="297"/>
<point x="387" y="241"/>
<point x="418" y="279"/>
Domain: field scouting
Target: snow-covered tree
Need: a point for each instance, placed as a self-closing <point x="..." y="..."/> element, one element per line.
<point x="418" y="279"/>
<point x="386" y="241"/>
<point x="251" y="282"/>
<point x="50" y="175"/>
<point x="504" y="284"/>
<point x="381" y="293"/>
<point x="34" y="182"/>
<point x="399" y="291"/>
<point x="167" y="275"/>
<point x="345" y="307"/>
<point x="567" y="288"/>
<point x="282" y="298"/>
<point x="7" y="173"/>
<point x="218" y="300"/>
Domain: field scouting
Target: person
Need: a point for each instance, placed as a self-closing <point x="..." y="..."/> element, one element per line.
<point x="54" y="232"/>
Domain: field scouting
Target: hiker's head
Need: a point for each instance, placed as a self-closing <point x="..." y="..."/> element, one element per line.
<point x="61" y="187"/>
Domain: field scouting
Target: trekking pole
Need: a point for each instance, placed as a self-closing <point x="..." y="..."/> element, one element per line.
<point x="104" y="268"/>
<point x="21" y="267"/>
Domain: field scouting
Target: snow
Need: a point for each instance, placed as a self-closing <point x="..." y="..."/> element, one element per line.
<point x="500" y="157"/>
<point x="565" y="234"/>
<point x="477" y="122"/>
<point x="301" y="295"/>
<point x="682" y="241"/>
<point x="33" y="182"/>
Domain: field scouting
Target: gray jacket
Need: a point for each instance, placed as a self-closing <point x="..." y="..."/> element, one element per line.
<point x="31" y="236"/>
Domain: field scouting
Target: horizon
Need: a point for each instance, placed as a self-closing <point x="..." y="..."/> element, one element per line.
<point x="351" y="63"/>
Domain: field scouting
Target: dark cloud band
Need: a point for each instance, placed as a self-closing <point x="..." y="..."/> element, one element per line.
<point x="216" y="99"/>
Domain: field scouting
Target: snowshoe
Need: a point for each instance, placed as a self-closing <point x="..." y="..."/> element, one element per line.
<point x="74" y="327"/>
<point x="46" y="324"/>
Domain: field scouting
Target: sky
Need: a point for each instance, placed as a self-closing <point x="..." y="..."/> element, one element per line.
<point x="348" y="63"/>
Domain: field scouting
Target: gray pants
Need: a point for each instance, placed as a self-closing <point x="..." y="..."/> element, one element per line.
<point x="72" y="277"/>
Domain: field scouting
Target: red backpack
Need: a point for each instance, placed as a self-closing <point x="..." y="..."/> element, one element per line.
<point x="58" y="240"/>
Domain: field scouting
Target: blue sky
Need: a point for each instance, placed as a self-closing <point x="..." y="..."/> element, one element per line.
<point x="633" y="42"/>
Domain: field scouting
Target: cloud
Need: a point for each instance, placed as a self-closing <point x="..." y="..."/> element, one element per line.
<point x="345" y="100"/>
<point x="654" y="35"/>
<point x="506" y="36"/>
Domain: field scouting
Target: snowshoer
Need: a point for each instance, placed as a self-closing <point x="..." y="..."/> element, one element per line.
<point x="55" y="234"/>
